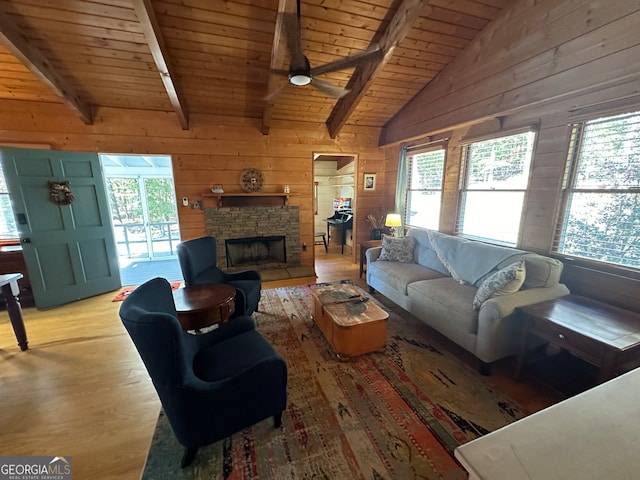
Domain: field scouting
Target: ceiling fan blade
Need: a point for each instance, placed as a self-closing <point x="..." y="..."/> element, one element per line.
<point x="274" y="93"/>
<point x="348" y="62"/>
<point x="329" y="89"/>
<point x="283" y="73"/>
<point x="291" y="24"/>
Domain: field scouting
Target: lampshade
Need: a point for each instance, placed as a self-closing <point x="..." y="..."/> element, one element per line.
<point x="393" y="220"/>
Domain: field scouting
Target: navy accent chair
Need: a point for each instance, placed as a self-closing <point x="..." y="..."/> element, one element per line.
<point x="198" y="259"/>
<point x="210" y="385"/>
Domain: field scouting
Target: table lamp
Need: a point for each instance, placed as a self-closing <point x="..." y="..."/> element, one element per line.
<point x="394" y="221"/>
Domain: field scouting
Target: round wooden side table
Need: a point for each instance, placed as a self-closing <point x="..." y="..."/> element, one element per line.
<point x="201" y="306"/>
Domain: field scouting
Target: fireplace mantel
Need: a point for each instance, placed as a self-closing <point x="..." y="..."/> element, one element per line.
<point x="247" y="199"/>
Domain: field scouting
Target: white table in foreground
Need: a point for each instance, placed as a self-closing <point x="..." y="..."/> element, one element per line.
<point x="592" y="436"/>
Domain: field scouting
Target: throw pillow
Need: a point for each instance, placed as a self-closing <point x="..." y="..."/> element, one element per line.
<point x="503" y="282"/>
<point x="397" y="249"/>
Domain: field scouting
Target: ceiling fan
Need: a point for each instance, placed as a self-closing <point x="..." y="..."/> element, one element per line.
<point x="300" y="72"/>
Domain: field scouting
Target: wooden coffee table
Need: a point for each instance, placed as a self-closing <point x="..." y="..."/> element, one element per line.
<point x="350" y="321"/>
<point x="201" y="306"/>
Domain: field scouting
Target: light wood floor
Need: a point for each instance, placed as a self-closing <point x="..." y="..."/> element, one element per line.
<point x="82" y="391"/>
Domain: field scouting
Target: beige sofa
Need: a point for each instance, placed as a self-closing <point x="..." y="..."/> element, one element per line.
<point x="444" y="274"/>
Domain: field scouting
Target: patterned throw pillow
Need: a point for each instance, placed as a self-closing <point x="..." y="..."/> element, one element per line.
<point x="397" y="249"/>
<point x="503" y="282"/>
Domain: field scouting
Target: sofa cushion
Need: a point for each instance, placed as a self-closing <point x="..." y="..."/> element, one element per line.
<point x="542" y="271"/>
<point x="397" y="249"/>
<point x="424" y="254"/>
<point x="505" y="281"/>
<point x="399" y="275"/>
<point x="447" y="301"/>
<point x="468" y="260"/>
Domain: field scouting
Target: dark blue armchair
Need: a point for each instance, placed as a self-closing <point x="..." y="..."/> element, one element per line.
<point x="198" y="263"/>
<point x="210" y="385"/>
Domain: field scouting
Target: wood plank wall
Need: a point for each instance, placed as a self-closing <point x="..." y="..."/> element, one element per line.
<point x="213" y="151"/>
<point x="544" y="65"/>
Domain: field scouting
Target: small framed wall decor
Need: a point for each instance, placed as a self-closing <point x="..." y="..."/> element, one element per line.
<point x="370" y="181"/>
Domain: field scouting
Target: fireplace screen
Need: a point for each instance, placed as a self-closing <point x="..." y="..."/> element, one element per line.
<point x="256" y="250"/>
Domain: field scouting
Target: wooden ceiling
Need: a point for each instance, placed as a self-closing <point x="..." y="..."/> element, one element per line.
<point x="216" y="56"/>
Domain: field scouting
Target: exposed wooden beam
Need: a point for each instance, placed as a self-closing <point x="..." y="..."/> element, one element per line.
<point x="35" y="60"/>
<point x="363" y="76"/>
<point x="151" y="28"/>
<point x="278" y="54"/>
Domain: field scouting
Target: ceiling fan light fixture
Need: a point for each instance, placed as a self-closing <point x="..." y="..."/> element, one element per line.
<point x="299" y="79"/>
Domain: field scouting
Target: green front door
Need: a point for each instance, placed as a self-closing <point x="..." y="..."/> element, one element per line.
<point x="69" y="249"/>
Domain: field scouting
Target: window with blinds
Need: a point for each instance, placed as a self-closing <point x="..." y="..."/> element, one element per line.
<point x="600" y="214"/>
<point x="424" y="190"/>
<point x="494" y="181"/>
<point x="8" y="229"/>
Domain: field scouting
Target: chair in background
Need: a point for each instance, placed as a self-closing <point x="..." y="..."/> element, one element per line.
<point x="320" y="238"/>
<point x="198" y="259"/>
<point x="210" y="385"/>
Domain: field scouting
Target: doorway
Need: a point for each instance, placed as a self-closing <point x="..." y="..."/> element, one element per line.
<point x="335" y="191"/>
<point x="144" y="215"/>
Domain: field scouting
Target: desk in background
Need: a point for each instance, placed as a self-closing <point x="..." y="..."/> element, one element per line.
<point x="342" y="219"/>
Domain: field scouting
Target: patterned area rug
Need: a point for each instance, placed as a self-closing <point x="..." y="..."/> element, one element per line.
<point x="392" y="415"/>
<point x="126" y="291"/>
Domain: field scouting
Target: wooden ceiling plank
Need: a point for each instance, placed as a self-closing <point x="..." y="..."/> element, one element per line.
<point x="458" y="17"/>
<point x="98" y="46"/>
<point x="217" y="15"/>
<point x="53" y="28"/>
<point x="37" y="62"/>
<point x="116" y="10"/>
<point x="429" y="25"/>
<point x="370" y="9"/>
<point x="213" y="42"/>
<point x="152" y="33"/>
<point x="469" y="7"/>
<point x="278" y="55"/>
<point x="68" y="18"/>
<point x="408" y="12"/>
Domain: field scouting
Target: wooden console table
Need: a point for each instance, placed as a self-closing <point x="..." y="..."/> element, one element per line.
<point x="603" y="335"/>
<point x="10" y="291"/>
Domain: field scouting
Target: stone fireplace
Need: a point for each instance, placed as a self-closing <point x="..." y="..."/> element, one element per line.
<point x="230" y="224"/>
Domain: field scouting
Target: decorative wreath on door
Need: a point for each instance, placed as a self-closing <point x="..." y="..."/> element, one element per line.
<point x="60" y="193"/>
